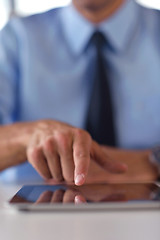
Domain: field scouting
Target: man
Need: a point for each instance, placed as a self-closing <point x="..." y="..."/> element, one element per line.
<point x="44" y="80"/>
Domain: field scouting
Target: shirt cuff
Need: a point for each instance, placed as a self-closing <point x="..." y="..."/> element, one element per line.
<point x="155" y="158"/>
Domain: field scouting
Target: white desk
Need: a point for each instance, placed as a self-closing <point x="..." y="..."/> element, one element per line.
<point x="116" y="225"/>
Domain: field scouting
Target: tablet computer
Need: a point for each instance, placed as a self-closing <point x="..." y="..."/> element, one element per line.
<point x="87" y="197"/>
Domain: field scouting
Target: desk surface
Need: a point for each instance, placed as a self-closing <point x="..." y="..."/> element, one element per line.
<point x="108" y="225"/>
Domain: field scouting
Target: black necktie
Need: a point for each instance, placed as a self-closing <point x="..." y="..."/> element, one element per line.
<point x="99" y="122"/>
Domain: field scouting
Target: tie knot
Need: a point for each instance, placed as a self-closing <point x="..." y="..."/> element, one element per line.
<point x="98" y="39"/>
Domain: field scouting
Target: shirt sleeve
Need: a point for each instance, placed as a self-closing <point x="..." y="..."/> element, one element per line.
<point x="9" y="74"/>
<point x="155" y="158"/>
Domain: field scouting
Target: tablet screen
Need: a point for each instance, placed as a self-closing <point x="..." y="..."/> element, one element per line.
<point x="91" y="193"/>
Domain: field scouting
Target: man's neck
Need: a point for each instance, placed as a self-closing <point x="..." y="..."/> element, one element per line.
<point x="99" y="13"/>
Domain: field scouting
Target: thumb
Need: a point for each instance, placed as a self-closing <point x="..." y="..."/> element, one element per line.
<point x="105" y="161"/>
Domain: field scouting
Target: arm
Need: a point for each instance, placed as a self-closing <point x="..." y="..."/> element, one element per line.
<point x="13" y="141"/>
<point x="42" y="141"/>
<point x="60" y="151"/>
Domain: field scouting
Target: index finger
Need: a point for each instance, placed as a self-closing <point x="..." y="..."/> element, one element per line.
<point x="81" y="156"/>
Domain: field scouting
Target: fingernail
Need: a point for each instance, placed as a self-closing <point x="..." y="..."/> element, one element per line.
<point x="78" y="200"/>
<point x="79" y="180"/>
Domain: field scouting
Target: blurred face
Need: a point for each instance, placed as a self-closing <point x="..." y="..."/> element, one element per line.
<point x="97" y="10"/>
<point x="95" y="4"/>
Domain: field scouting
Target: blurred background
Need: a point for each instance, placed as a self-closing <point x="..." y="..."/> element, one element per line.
<point x="9" y="8"/>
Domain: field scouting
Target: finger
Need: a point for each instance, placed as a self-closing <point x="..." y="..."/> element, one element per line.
<point x="65" y="151"/>
<point x="53" y="160"/>
<point x="105" y="161"/>
<point x="57" y="196"/>
<point x="45" y="197"/>
<point x="37" y="159"/>
<point x="81" y="156"/>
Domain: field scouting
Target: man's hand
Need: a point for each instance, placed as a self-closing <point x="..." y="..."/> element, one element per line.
<point x="139" y="167"/>
<point x="62" y="152"/>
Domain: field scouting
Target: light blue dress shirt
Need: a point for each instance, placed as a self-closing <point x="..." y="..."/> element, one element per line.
<point x="44" y="73"/>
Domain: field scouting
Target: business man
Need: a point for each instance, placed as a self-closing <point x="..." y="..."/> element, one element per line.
<point x="48" y="66"/>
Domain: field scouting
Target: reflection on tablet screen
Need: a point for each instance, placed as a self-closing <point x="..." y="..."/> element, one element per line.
<point x="92" y="193"/>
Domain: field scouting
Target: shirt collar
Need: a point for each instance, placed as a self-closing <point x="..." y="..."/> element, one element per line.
<point x="76" y="28"/>
<point x="118" y="29"/>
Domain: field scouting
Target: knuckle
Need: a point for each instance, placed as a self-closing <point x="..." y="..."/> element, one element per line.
<point x="33" y="154"/>
<point x="48" y="144"/>
<point x="80" y="133"/>
<point x="62" y="139"/>
<point x="64" y="145"/>
<point x="87" y="136"/>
